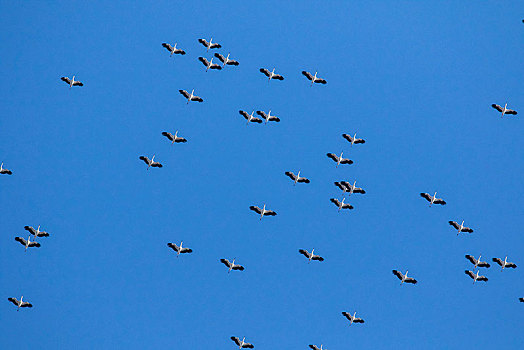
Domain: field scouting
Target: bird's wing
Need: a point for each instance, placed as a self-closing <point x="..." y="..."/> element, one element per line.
<point x="215" y="46"/>
<point x="467" y="229"/>
<point x="203" y="42"/>
<point x="66" y="79"/>
<point x="454" y="224"/>
<point x="334" y="200"/>
<point x="180" y="139"/>
<point x="483" y="264"/>
<point x="348" y="137"/>
<point x="78" y="83"/>
<point x="30" y="229"/>
<point x="332" y="156"/>
<point x="303" y="179"/>
<point x="256" y="120"/>
<point x="498" y="261"/>
<point x="197" y="98"/>
<point x="43" y="234"/>
<point x="168" y="135"/>
<point x="482" y="278"/>
<point x="304" y="252"/>
<point x="182" y="52"/>
<point x="307" y="75"/>
<point x="497" y="107"/>
<point x="512" y="265"/>
<point x="216" y="66"/>
<point x="145" y="159"/>
<point x="411" y="280"/>
<point x="347" y="315"/>
<point x="270" y="213"/>
<point x="203" y="60"/>
<point x="173" y="246"/>
<point x="244" y="114"/>
<point x="156" y="165"/>
<point x="34" y="244"/>
<point x="232" y="63"/>
<point x="314" y="347"/>
<point x="220" y="57"/>
<point x="167" y="46"/>
<point x="238" y="267"/>
<point x="347" y="206"/>
<point x="341" y="185"/>
<point x="317" y="257"/>
<point x="426" y="196"/>
<point x="26" y="304"/>
<point x="236" y="340"/>
<point x="321" y="81"/>
<point x="265" y="71"/>
<point x="278" y="77"/>
<point x="398" y="274"/>
<point x="13" y="300"/>
<point x="186" y="250"/>
<point x="291" y="175"/>
<point x="346" y="161"/>
<point x="439" y="201"/>
<point x="358" y="320"/>
<point x="470" y="273"/>
<point x="521" y="300"/>
<point x="471" y="258"/>
<point x="225" y="262"/>
<point x="274" y="119"/>
<point x="21" y="240"/>
<point x="358" y="190"/>
<point x="262" y="114"/>
<point x="360" y="141"/>
<point x="184" y="93"/>
<point x="511" y="111"/>
<point x="248" y="346"/>
<point x="256" y="209"/>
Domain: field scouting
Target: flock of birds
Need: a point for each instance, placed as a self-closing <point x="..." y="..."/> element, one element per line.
<point x="345" y="186"/>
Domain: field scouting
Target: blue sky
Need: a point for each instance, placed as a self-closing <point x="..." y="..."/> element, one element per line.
<point x="414" y="78"/>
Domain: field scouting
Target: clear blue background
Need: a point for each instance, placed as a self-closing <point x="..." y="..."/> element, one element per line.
<point x="414" y="78"/>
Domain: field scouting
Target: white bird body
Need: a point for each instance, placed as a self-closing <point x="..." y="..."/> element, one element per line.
<point x="210" y="44"/>
<point x="190" y="96"/>
<point x="72" y="82"/>
<point x="504" y="110"/>
<point x="339" y="159"/>
<point x="313" y="78"/>
<point x="226" y="60"/>
<point x="352" y="318"/>
<point x="341" y="204"/>
<point x="504" y="263"/>
<point x="249" y="117"/>
<point x="242" y="344"/>
<point x="268" y="117"/>
<point x="404" y="277"/>
<point x="20" y="303"/>
<point x="271" y="75"/>
<point x="262" y="211"/>
<point x="5" y="171"/>
<point x="460" y="227"/>
<point x="475" y="276"/>
<point x="477" y="262"/>
<point x="296" y="178"/>
<point x="433" y="199"/>
<point x="173" y="49"/>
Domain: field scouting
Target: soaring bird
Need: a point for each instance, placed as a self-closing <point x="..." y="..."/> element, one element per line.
<point x="4" y="170"/>
<point x="341" y="205"/>
<point x="352" y="318"/>
<point x="179" y="249"/>
<point x="231" y="265"/>
<point x="173" y="49"/>
<point x="268" y="117"/>
<point x="37" y="232"/>
<point x="339" y="159"/>
<point x="314" y="347"/>
<point x="297" y="178"/>
<point x="174" y="138"/>
<point x="310" y="256"/>
<point x="226" y="60"/>
<point x="477" y="262"/>
<point x="353" y="139"/>
<point x="20" y="303"/>
<point x="72" y="82"/>
<point x="209" y="44"/>
<point x="433" y="199"/>
<point x="504" y="263"/>
<point x="249" y="117"/>
<point x="460" y="227"/>
<point x="347" y="187"/>
<point x="504" y="110"/>
<point x="475" y="276"/>
<point x="242" y="343"/>
<point x="263" y="212"/>
<point x="404" y="277"/>
<point x="272" y="74"/>
<point x="28" y="243"/>
<point x="209" y="64"/>
<point x="150" y="162"/>
<point x="313" y="78"/>
<point x="190" y="96"/>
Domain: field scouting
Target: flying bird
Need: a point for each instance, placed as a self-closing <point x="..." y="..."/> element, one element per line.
<point x="310" y="256"/>
<point x="477" y="262"/>
<point x="209" y="64"/>
<point x="262" y="211"/>
<point x="173" y="49"/>
<point x="226" y="60"/>
<point x="433" y="199"/>
<point x="190" y="96"/>
<point x="249" y="117"/>
<point x="150" y="162"/>
<point x="297" y="178"/>
<point x="313" y="78"/>
<point x="272" y="74"/>
<point x="460" y="228"/>
<point x="353" y="139"/>
<point x="404" y="277"/>
<point x="37" y="232"/>
<point x="4" y="170"/>
<point x="504" y="263"/>
<point x="20" y="303"/>
<point x="210" y="44"/>
<point x="352" y="318"/>
<point x="174" y="138"/>
<point x="339" y="159"/>
<point x="242" y="343"/>
<point x="179" y="249"/>
<point x="72" y="82"/>
<point x="341" y="205"/>
<point x="347" y="187"/>
<point x="28" y="243"/>
<point x="475" y="276"/>
<point x="231" y="265"/>
<point x="314" y="347"/>
<point x="268" y="117"/>
<point x="504" y="110"/>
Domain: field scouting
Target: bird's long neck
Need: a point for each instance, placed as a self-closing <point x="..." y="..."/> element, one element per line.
<point x="1" y="165"/>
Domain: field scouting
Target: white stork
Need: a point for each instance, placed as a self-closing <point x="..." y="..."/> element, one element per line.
<point x="5" y="171"/>
<point x="404" y="277"/>
<point x="190" y="96"/>
<point x="433" y="199"/>
<point x="313" y="78"/>
<point x="263" y="212"/>
<point x="272" y="74"/>
<point x="173" y="49"/>
<point x="504" y="110"/>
